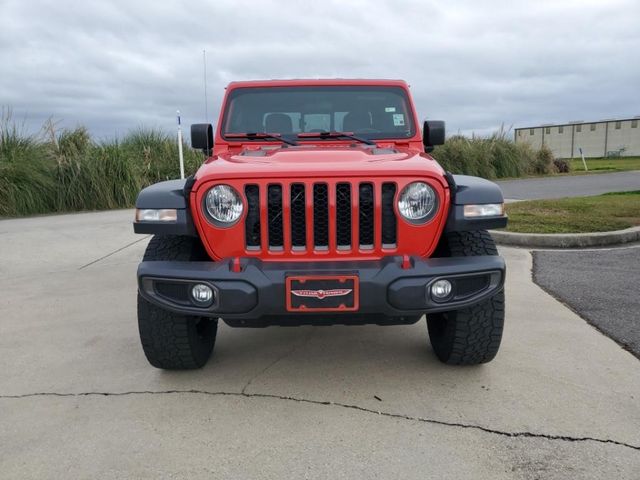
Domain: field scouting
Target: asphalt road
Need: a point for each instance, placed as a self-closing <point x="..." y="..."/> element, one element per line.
<point x="602" y="285"/>
<point x="570" y="185"/>
<point x="78" y="399"/>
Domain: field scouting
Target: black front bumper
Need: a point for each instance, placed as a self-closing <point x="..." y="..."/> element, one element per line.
<point x="388" y="289"/>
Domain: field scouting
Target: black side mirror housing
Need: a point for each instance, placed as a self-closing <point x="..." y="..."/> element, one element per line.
<point x="202" y="137"/>
<point x="432" y="134"/>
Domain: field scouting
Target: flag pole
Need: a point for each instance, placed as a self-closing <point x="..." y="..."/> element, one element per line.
<point x="180" y="147"/>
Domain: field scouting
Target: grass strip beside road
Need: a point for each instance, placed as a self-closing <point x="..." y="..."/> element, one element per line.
<point x="602" y="213"/>
<point x="605" y="165"/>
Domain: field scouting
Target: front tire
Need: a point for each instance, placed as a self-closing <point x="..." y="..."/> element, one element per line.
<point x="468" y="336"/>
<point x="169" y="340"/>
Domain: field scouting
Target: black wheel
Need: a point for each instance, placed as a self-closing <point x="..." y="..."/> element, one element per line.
<point x="169" y="340"/>
<point x="471" y="335"/>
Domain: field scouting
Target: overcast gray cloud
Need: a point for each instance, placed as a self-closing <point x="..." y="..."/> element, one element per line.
<point x="477" y="64"/>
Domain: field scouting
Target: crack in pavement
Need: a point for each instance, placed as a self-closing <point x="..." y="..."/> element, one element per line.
<point x="288" y="353"/>
<point x="503" y="433"/>
<point x="114" y="252"/>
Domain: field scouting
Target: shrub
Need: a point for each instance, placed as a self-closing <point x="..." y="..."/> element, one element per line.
<point x="463" y="155"/>
<point x="506" y="156"/>
<point x="543" y="162"/>
<point x="562" y="165"/>
<point x="493" y="157"/>
<point x="527" y="157"/>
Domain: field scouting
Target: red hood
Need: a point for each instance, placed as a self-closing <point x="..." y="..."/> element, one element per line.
<point x="320" y="161"/>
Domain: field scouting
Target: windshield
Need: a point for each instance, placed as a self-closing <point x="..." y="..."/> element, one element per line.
<point x="371" y="112"/>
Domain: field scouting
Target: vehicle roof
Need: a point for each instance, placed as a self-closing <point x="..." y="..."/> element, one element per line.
<point x="317" y="82"/>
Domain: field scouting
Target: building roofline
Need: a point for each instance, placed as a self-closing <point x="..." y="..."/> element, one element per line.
<point x="547" y="125"/>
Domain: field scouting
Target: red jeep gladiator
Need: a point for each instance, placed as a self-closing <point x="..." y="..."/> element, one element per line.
<point x="319" y="204"/>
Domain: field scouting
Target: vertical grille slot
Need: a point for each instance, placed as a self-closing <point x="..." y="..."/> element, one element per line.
<point x="366" y="221"/>
<point x="274" y="217"/>
<point x="252" y="222"/>
<point x="343" y="215"/>
<point x="321" y="216"/>
<point x="389" y="230"/>
<point x="298" y="216"/>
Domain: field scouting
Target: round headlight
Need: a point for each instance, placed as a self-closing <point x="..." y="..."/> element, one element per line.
<point x="223" y="204"/>
<point x="417" y="202"/>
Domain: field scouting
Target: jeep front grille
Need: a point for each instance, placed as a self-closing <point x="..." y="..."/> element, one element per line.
<point x="320" y="216"/>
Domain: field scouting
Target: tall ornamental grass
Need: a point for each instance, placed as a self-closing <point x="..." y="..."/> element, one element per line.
<point x="496" y="156"/>
<point x="66" y="171"/>
<point x="27" y="185"/>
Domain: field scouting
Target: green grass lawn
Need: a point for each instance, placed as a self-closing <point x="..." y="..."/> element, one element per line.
<point x="611" y="211"/>
<point x="604" y="165"/>
<point x="595" y="165"/>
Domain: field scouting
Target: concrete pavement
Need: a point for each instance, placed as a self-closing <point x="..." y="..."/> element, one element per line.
<point x="569" y="185"/>
<point x="602" y="285"/>
<point x="78" y="399"/>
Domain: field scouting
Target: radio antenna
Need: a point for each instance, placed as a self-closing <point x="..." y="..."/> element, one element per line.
<point x="206" y="101"/>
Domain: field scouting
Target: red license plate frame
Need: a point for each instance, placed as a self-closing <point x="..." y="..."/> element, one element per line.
<point x="339" y="293"/>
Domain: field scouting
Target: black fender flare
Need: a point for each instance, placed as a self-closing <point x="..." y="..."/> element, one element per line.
<point x="468" y="190"/>
<point x="170" y="194"/>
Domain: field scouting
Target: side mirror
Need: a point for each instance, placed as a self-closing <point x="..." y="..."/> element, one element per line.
<point x="202" y="136"/>
<point x="432" y="134"/>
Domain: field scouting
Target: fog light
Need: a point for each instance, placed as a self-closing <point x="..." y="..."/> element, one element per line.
<point x="441" y="289"/>
<point x="202" y="294"/>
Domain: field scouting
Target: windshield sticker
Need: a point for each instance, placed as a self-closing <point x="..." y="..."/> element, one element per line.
<point x="389" y="109"/>
<point x="398" y="119"/>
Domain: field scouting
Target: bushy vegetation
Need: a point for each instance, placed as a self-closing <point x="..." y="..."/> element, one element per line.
<point x="562" y="165"/>
<point x="496" y="156"/>
<point x="64" y="171"/>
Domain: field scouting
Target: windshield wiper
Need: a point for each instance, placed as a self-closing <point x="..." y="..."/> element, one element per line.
<point x="324" y="135"/>
<point x="259" y="135"/>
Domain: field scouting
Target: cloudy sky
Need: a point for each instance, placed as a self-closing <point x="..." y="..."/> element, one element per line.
<point x="116" y="65"/>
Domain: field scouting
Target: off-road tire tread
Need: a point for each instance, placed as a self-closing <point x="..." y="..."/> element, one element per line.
<point x="471" y="244"/>
<point x="170" y="340"/>
<point x="174" y="247"/>
<point x="474" y="336"/>
<point x="471" y="335"/>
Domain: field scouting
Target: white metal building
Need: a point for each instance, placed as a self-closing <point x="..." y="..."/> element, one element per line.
<point x="617" y="137"/>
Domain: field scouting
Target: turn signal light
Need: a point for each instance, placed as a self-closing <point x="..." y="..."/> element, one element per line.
<point x="484" y="210"/>
<point x="153" y="215"/>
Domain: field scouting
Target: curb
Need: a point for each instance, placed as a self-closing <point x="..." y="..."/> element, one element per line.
<point x="566" y="240"/>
